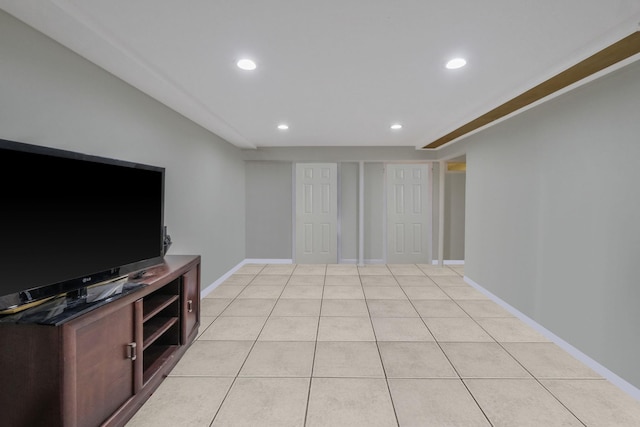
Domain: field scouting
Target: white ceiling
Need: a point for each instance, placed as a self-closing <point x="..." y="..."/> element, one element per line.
<point x="339" y="72"/>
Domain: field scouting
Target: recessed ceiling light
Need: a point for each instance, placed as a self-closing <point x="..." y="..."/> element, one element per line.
<point x="283" y="126"/>
<point x="246" y="64"/>
<point x="396" y="126"/>
<point x="456" y="63"/>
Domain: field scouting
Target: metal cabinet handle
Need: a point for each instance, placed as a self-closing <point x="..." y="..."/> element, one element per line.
<point x="190" y="306"/>
<point x="131" y="351"/>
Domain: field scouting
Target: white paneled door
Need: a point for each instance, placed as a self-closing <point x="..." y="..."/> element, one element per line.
<point x="316" y="213"/>
<point x="408" y="214"/>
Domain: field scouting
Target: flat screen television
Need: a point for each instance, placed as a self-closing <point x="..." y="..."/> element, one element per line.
<point x="70" y="220"/>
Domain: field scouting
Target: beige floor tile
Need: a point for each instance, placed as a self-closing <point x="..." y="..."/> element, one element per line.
<point x="196" y="398"/>
<point x="252" y="307"/>
<point x="213" y="358"/>
<point x="205" y="322"/>
<point x="238" y="280"/>
<point x="510" y="330"/>
<point x="344" y="307"/>
<point x="347" y="359"/>
<point x="213" y="306"/>
<point x="384" y="292"/>
<point x="596" y="402"/>
<point x="273" y="373"/>
<point x="458" y="269"/>
<point x="279" y="359"/>
<point x="261" y="291"/>
<point x="483" y="360"/>
<point x="438" y="308"/>
<point x="297" y="307"/>
<point x="415" y="360"/>
<point x="456" y="329"/>
<point x="400" y="329"/>
<point x="434" y="270"/>
<point x="435" y="402"/>
<point x="224" y="291"/>
<point x="392" y="266"/>
<point x="264" y="402"/>
<point x="521" y="402"/>
<point x="352" y="402"/>
<point x="345" y="329"/>
<point x="306" y="281"/>
<point x="342" y="270"/>
<point x="270" y="279"/>
<point x="547" y="360"/>
<point x="406" y="270"/>
<point x="234" y="328"/>
<point x="250" y="269"/>
<point x="379" y="281"/>
<point x="406" y="281"/>
<point x="310" y="270"/>
<point x="464" y="293"/>
<point x="374" y="270"/>
<point x="454" y="280"/>
<point x="391" y="308"/>
<point x="425" y="293"/>
<point x="342" y="281"/>
<point x="290" y="329"/>
<point x="483" y="308"/>
<point x="302" y="292"/>
<point x="343" y="292"/>
<point x="278" y="269"/>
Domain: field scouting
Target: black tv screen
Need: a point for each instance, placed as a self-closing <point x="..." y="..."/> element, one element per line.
<point x="69" y="220"/>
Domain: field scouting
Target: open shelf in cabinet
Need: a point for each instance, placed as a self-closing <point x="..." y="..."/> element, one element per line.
<point x="154" y="358"/>
<point x="161" y="327"/>
<point x="155" y="328"/>
<point x="155" y="303"/>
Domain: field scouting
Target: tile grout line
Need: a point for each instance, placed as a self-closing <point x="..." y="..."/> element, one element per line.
<point x="507" y="351"/>
<point x="378" y="348"/>
<point x="315" y="349"/>
<point x="445" y="354"/>
<point x="384" y="371"/>
<point x="519" y="363"/>
<point x="235" y="378"/>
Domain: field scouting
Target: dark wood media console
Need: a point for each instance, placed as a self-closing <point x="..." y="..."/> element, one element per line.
<point x="98" y="368"/>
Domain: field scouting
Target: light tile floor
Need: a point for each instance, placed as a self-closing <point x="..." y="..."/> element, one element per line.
<point x="381" y="345"/>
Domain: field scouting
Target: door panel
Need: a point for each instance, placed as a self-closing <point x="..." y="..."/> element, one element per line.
<point x="408" y="213"/>
<point x="316" y="213"/>
<point x="190" y="304"/>
<point x="104" y="371"/>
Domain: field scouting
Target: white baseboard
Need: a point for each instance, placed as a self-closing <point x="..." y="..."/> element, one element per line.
<point x="621" y="383"/>
<point x="449" y="262"/>
<point x="267" y="261"/>
<point x="206" y="291"/>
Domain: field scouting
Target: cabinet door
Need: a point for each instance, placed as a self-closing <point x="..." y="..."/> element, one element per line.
<point x="190" y="303"/>
<point x="103" y="370"/>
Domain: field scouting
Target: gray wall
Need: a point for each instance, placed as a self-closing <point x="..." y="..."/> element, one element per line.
<point x="374" y="215"/>
<point x="348" y="211"/>
<point x="553" y="208"/>
<point x="454" y="210"/>
<point x="269" y="209"/>
<point x="50" y="96"/>
<point x="269" y="193"/>
<point x="269" y="221"/>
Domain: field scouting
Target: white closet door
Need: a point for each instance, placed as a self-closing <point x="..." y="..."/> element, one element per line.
<point x="408" y="214"/>
<point x="316" y="213"/>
